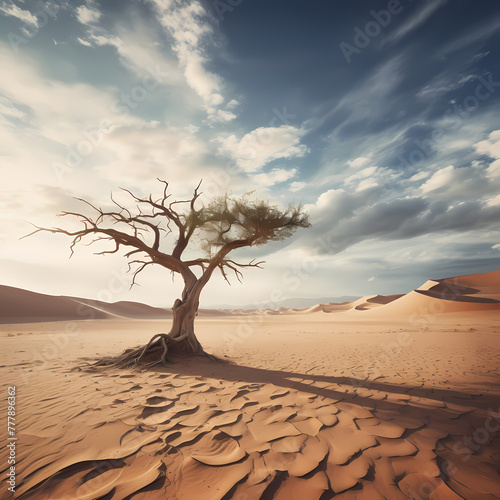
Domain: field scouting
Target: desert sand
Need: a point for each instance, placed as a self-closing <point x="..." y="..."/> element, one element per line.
<point x="388" y="397"/>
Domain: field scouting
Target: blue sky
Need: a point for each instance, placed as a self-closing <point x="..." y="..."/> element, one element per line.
<point x="381" y="117"/>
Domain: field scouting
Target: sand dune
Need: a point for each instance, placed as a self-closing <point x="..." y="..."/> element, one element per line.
<point x="127" y="309"/>
<point x="470" y="288"/>
<point x="475" y="292"/>
<point x="22" y="305"/>
<point x="17" y="305"/>
<point x="470" y="293"/>
<point x="367" y="302"/>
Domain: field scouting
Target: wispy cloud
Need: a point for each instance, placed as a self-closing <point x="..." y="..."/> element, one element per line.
<point x="13" y="10"/>
<point x="423" y="13"/>
<point x="84" y="42"/>
<point x="188" y="25"/>
<point x="474" y="36"/>
<point x="443" y="84"/>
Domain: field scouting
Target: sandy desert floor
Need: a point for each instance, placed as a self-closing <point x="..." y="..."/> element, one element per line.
<point x="306" y="407"/>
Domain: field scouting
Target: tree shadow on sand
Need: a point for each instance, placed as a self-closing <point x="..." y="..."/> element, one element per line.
<point x="347" y="389"/>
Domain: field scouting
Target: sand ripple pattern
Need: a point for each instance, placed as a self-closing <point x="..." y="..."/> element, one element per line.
<point x="179" y="436"/>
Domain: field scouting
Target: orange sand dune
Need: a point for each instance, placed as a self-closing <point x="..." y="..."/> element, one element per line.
<point x="22" y="305"/>
<point x="475" y="292"/>
<point x="367" y="302"/>
<point x="470" y="293"/>
<point x="374" y="301"/>
<point x="127" y="309"/>
<point x="17" y="305"/>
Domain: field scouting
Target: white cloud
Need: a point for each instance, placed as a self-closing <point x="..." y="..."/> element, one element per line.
<point x="367" y="184"/>
<point x="44" y="119"/>
<point x="21" y="14"/>
<point x="359" y="162"/>
<point x="494" y="169"/>
<point x="138" y="49"/>
<point x="88" y="14"/>
<point x="139" y="53"/>
<point x="363" y="174"/>
<point x="232" y="104"/>
<point x="275" y="176"/>
<point x="465" y="183"/>
<point x="419" y="177"/>
<point x="222" y="116"/>
<point x="263" y="145"/>
<point x="439" y="180"/>
<point x="370" y="177"/>
<point x="59" y="111"/>
<point x="297" y="186"/>
<point x="493" y="202"/>
<point x="140" y="154"/>
<point x="491" y="147"/>
<point x="84" y="42"/>
<point x="334" y="203"/>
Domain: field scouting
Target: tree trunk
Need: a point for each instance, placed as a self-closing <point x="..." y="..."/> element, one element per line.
<point x="181" y="340"/>
<point x="184" y="314"/>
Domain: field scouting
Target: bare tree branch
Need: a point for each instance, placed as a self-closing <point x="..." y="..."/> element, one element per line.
<point x="138" y="270"/>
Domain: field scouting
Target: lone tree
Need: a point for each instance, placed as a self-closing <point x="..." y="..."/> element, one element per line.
<point x="220" y="226"/>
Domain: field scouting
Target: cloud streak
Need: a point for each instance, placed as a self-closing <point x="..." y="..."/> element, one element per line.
<point x="188" y="25"/>
<point x="22" y="14"/>
<point x="420" y="17"/>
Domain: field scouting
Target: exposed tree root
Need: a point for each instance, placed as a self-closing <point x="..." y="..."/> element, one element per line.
<point x="158" y="350"/>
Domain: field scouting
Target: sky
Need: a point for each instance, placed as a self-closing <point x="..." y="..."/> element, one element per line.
<point x="380" y="117"/>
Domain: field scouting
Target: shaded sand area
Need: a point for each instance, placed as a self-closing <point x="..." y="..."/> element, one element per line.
<point x="361" y="403"/>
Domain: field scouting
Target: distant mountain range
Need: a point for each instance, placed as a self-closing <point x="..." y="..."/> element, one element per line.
<point x="297" y="302"/>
